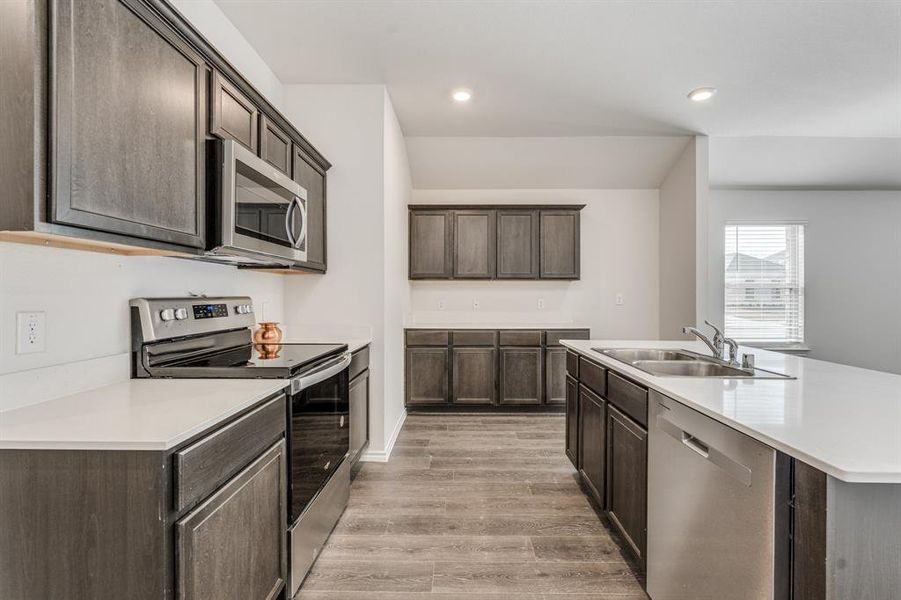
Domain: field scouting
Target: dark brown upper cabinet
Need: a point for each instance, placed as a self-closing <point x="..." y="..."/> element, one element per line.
<point x="559" y="243"/>
<point x="474" y="240"/>
<point x="311" y="176"/>
<point x="232" y="114"/>
<point x="108" y="110"/>
<point x="431" y="244"/>
<point x="494" y="242"/>
<point x="517" y="244"/>
<point x="275" y="145"/>
<point x="128" y="108"/>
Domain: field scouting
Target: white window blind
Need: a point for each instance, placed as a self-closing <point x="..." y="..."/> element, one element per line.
<point x="765" y="282"/>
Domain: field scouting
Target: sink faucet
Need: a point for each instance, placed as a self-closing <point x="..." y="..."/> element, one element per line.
<point x="717" y="344"/>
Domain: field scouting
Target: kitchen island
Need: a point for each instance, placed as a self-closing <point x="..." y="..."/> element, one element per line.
<point x="834" y="433"/>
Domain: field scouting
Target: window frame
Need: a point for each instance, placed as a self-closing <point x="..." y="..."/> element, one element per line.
<point x="786" y="345"/>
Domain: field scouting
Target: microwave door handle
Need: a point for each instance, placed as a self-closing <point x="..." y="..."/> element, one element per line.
<point x="303" y="217"/>
<point x="332" y="368"/>
<point x="289" y="221"/>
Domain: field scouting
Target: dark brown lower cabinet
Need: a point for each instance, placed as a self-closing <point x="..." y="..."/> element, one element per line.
<point x="808" y="532"/>
<point x="205" y="520"/>
<point x="572" y="421"/>
<point x="233" y="545"/>
<point x="427" y="375"/>
<point x="555" y="375"/>
<point x="592" y="442"/>
<point x="473" y="374"/>
<point x="358" y="394"/>
<point x="627" y="479"/>
<point x="521" y="375"/>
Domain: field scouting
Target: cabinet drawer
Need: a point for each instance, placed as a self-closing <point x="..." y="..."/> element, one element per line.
<point x="206" y="464"/>
<point x="475" y="338"/>
<point x="593" y="376"/>
<point x="427" y="337"/>
<point x="572" y="364"/>
<point x="554" y="336"/>
<point x="630" y="398"/>
<point x="520" y="337"/>
<point x="359" y="362"/>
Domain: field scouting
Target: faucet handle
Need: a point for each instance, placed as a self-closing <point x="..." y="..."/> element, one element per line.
<point x="717" y="330"/>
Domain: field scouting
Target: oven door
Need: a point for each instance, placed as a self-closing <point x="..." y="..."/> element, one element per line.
<point x="263" y="211"/>
<point x="319" y="433"/>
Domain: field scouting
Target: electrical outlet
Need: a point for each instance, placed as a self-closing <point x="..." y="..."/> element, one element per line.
<point x="441" y="305"/>
<point x="475" y="304"/>
<point x="619" y="300"/>
<point x="541" y="304"/>
<point x="30" y="332"/>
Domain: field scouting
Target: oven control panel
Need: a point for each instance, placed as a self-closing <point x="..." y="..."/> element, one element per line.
<point x="164" y="318"/>
<point x="210" y="311"/>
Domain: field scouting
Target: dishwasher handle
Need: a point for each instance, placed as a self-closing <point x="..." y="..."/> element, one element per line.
<point x="733" y="468"/>
<point x="696" y="444"/>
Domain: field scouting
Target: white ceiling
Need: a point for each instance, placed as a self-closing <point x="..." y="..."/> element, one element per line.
<point x="554" y="68"/>
<point x="609" y="162"/>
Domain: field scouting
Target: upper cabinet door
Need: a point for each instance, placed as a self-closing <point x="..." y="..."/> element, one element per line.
<point x="128" y="111"/>
<point x="232" y="115"/>
<point x="275" y="146"/>
<point x="517" y="244"/>
<point x="559" y="240"/>
<point x="312" y="178"/>
<point x="474" y="244"/>
<point x="431" y="248"/>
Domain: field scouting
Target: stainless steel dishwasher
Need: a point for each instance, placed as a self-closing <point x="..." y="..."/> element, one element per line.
<point x="718" y="510"/>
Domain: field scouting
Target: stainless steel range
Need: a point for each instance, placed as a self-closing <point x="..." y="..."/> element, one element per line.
<point x="212" y="338"/>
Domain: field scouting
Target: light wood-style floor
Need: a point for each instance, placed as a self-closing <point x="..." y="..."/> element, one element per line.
<point x="481" y="507"/>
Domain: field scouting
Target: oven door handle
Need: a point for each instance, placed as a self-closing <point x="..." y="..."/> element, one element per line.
<point x="327" y="370"/>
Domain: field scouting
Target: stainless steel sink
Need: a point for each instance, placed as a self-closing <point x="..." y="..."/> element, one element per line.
<point x="630" y="355"/>
<point x="664" y="362"/>
<point x="693" y="368"/>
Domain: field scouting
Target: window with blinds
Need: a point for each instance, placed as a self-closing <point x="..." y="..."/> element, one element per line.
<point x="764" y="283"/>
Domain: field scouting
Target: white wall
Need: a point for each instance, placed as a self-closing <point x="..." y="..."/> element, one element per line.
<point x="683" y="198"/>
<point x="85" y="297"/>
<point x="355" y="128"/>
<point x="852" y="267"/>
<point x="619" y="255"/>
<point x="397" y="186"/>
<point x="212" y="23"/>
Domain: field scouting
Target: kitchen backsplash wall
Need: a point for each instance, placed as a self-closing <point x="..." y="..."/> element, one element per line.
<point x="619" y="258"/>
<point x="85" y="298"/>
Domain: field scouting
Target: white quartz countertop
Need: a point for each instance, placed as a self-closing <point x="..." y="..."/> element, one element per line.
<point x="496" y="326"/>
<point x="843" y="420"/>
<point x="138" y="414"/>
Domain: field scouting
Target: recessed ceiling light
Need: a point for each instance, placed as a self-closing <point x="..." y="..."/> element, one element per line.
<point x="462" y="95"/>
<point x="701" y="94"/>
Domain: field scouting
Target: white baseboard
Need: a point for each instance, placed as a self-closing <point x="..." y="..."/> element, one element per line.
<point x="371" y="456"/>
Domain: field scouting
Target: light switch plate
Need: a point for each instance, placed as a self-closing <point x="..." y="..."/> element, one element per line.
<point x="31" y="332"/>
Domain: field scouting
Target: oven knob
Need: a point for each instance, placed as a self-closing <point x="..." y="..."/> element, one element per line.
<point x="181" y="314"/>
<point x="241" y="309"/>
<point x="248" y="308"/>
<point x="167" y="314"/>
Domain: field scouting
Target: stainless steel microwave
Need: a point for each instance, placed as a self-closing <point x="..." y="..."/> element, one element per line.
<point x="259" y="213"/>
